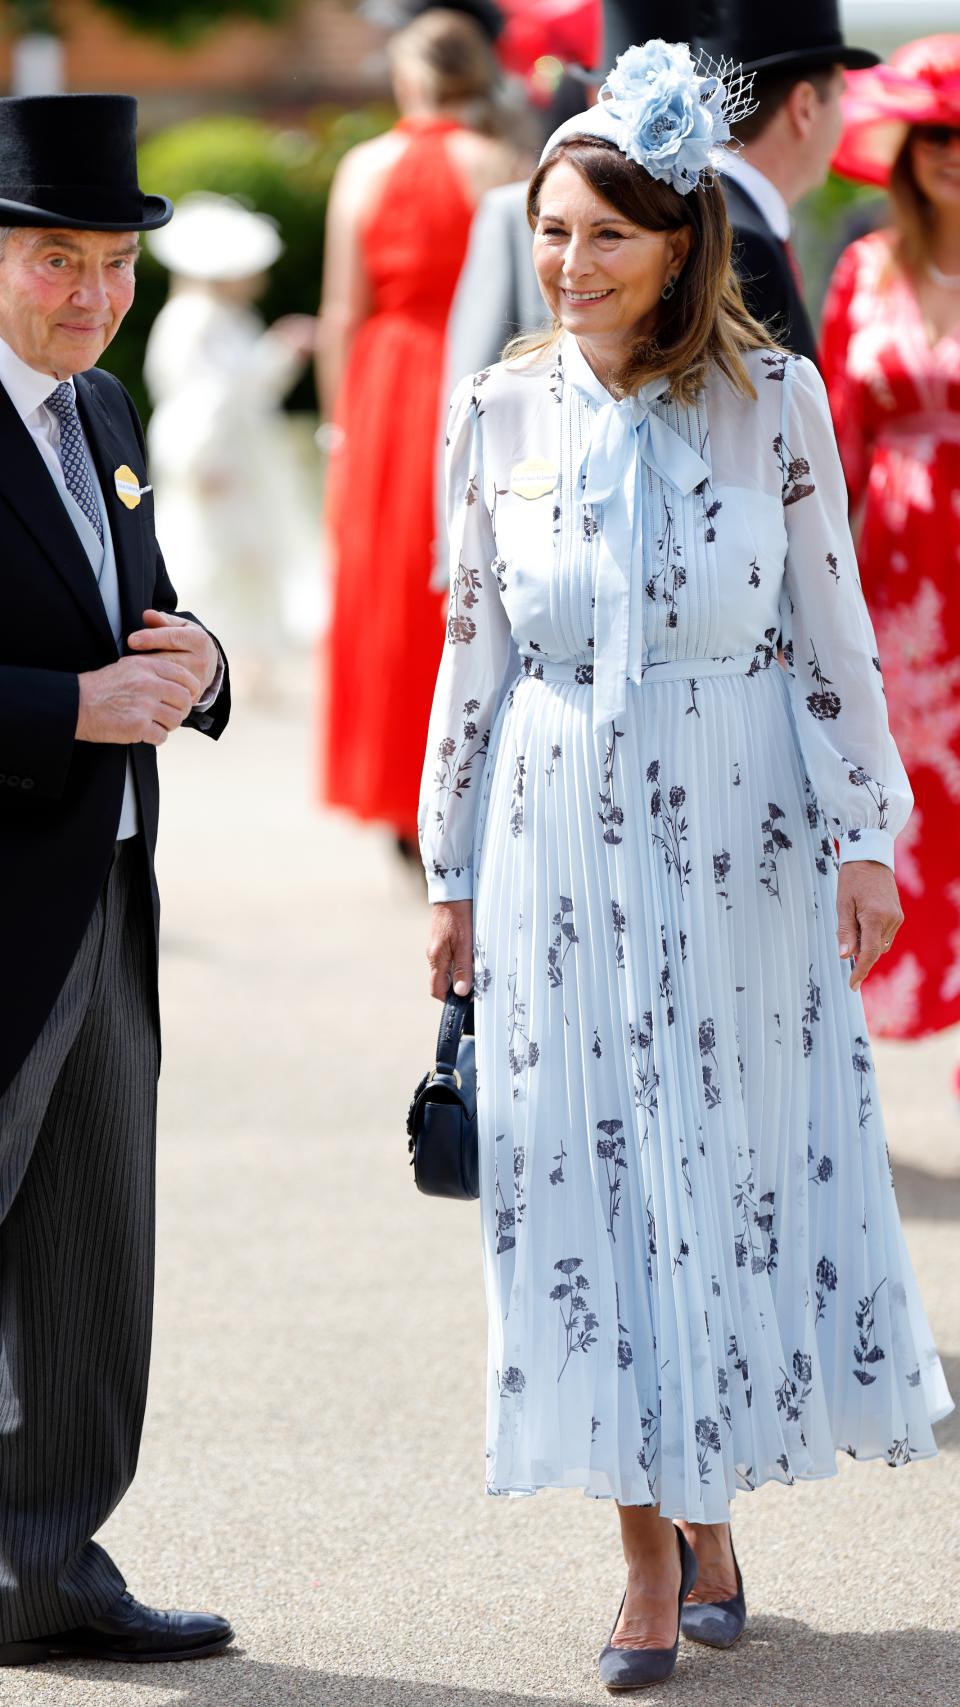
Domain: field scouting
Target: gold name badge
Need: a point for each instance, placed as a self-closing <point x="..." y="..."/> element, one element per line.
<point x="533" y="478"/>
<point x="127" y="485"/>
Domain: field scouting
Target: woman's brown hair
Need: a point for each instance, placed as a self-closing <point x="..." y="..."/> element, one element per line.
<point x="914" y="216"/>
<point x="706" y="322"/>
<point x="449" y="54"/>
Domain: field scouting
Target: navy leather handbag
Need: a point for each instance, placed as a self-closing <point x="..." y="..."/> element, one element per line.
<point x="442" y="1122"/>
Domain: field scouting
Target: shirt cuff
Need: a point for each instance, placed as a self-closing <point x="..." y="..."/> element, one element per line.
<point x="867" y="844"/>
<point x="453" y="885"/>
<point x="209" y="695"/>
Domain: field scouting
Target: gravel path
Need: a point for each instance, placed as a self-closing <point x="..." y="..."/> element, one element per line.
<point x="313" y="1458"/>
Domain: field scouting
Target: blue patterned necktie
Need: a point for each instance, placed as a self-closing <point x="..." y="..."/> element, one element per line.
<point x="73" y="456"/>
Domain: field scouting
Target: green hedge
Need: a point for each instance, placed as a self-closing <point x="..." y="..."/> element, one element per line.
<point x="825" y="220"/>
<point x="285" y="173"/>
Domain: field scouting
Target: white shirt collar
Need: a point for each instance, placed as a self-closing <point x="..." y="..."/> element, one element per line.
<point x="760" y="190"/>
<point x="25" y="386"/>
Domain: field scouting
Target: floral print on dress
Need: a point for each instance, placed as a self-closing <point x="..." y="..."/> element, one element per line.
<point x="564" y="939"/>
<point x="579" y="1321"/>
<point x="522" y="1052"/>
<point x="455" y="761"/>
<point x="796" y="1387"/>
<point x="826" y="1283"/>
<point x="610" y="813"/>
<point x="612" y="1153"/>
<point x="708" y="1443"/>
<point x="464" y="597"/>
<point x="519" y="784"/>
<point x="867" y="1352"/>
<point x="794" y="472"/>
<point x="645" y="1075"/>
<point x="670" y="575"/>
<point x="775" y="842"/>
<point x="669" y="1218"/>
<point x="708" y="1063"/>
<point x="669" y="829"/>
<point x="824" y="703"/>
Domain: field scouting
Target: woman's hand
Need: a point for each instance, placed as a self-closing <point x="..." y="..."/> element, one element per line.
<point x="450" y="949"/>
<point x="868" y="914"/>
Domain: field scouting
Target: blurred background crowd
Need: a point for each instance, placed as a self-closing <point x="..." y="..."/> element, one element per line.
<point x="350" y="238"/>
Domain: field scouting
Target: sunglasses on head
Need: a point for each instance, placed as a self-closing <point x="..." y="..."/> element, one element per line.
<point x="937" y="135"/>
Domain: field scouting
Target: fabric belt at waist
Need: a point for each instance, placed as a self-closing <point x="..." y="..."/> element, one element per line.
<point x="671" y="670"/>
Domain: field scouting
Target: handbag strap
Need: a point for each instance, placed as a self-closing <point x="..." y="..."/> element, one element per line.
<point x="456" y="1018"/>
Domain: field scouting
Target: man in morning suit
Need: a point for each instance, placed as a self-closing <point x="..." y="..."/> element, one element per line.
<point x="97" y="668"/>
<point x="798" y="57"/>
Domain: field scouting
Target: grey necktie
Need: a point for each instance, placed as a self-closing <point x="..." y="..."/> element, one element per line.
<point x="73" y="456"/>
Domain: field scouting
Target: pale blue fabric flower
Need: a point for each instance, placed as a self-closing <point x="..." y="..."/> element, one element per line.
<point x="669" y="119"/>
<point x="665" y="111"/>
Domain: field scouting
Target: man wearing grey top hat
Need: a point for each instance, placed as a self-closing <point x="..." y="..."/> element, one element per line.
<point x="97" y="668"/>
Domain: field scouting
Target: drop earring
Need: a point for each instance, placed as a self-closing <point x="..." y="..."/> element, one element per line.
<point x="668" y="289"/>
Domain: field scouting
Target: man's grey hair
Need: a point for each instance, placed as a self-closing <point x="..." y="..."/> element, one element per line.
<point x="8" y="230"/>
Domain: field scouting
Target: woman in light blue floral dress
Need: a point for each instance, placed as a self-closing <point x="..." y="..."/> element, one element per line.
<point x="659" y="773"/>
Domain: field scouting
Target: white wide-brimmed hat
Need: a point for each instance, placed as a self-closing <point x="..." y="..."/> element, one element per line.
<point x="215" y="237"/>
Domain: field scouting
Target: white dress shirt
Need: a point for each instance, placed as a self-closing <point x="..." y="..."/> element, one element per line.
<point x="28" y="390"/>
<point x="760" y="190"/>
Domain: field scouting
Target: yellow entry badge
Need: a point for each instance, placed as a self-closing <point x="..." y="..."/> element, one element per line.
<point x="128" y="486"/>
<point x="533" y="478"/>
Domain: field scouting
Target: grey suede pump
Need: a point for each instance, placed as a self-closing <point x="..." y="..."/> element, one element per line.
<point x="640" y="1668"/>
<point x="719" y="1623"/>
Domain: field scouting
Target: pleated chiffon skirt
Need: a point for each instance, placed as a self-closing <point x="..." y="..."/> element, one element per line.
<point x="696" y="1275"/>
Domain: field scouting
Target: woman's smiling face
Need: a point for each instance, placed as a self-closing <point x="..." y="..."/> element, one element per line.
<point x="600" y="274"/>
<point x="935" y="157"/>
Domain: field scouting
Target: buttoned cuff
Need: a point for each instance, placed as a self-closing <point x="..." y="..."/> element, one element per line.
<point x="867" y="844"/>
<point x="453" y="885"/>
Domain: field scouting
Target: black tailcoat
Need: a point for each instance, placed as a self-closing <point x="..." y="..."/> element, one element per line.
<point x="60" y="798"/>
<point x="765" y="274"/>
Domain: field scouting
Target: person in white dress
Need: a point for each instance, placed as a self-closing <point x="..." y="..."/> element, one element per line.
<point x="231" y="503"/>
<point x="659" y="804"/>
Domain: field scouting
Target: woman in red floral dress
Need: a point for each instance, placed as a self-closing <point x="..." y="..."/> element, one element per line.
<point x="891" y="361"/>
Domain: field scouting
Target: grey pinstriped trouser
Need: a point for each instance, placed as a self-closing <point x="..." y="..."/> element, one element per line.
<point x="77" y="1145"/>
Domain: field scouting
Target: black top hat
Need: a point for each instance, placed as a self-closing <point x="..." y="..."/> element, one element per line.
<point x="627" y="22"/>
<point x="396" y="14"/>
<point x="71" y="161"/>
<point x="764" y="37"/>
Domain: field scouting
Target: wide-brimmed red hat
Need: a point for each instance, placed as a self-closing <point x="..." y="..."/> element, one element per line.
<point x="921" y="85"/>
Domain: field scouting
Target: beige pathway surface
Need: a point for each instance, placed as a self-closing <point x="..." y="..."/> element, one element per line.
<point x="313" y="1456"/>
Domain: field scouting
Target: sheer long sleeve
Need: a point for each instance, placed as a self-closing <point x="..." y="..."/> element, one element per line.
<point x="474" y="668"/>
<point x="829" y="642"/>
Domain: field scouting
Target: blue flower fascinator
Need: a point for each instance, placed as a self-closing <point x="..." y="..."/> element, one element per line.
<point x="664" y="109"/>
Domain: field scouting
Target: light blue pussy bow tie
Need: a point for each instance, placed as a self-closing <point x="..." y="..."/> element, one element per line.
<point x="623" y="435"/>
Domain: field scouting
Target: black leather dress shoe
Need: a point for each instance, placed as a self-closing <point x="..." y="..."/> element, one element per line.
<point x="127" y="1631"/>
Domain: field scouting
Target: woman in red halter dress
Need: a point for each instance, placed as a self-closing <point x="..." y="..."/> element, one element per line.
<point x="400" y="216"/>
<point x="891" y="360"/>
